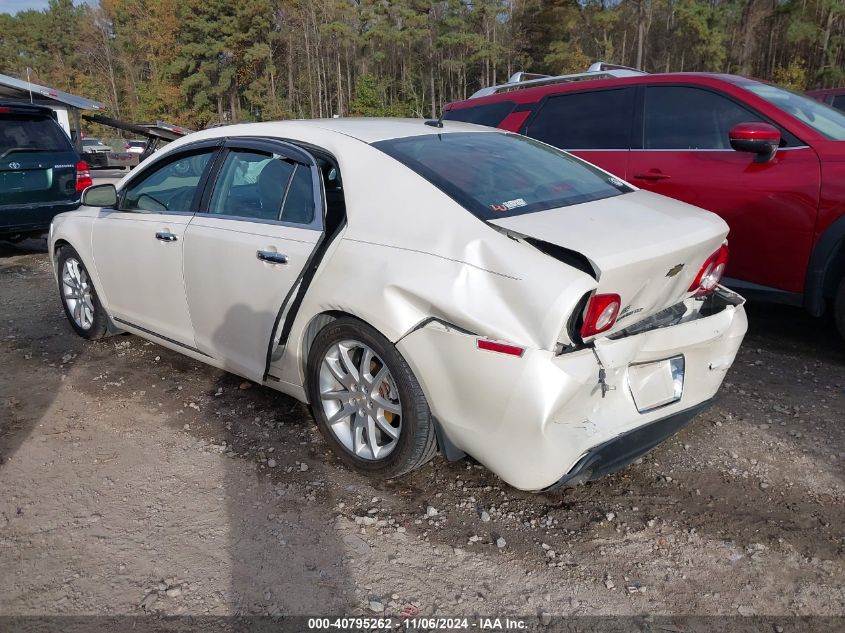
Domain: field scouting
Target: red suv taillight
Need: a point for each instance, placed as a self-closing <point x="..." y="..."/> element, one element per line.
<point x="83" y="176"/>
<point x="601" y="314"/>
<point x="711" y="272"/>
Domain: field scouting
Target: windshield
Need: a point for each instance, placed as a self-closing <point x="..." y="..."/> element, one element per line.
<point x="497" y="175"/>
<point x="824" y="119"/>
<point x="42" y="134"/>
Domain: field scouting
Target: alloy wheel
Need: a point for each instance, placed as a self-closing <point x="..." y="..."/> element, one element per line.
<point x="76" y="290"/>
<point x="360" y="399"/>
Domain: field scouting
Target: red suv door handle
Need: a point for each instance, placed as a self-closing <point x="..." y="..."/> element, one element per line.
<point x="652" y="175"/>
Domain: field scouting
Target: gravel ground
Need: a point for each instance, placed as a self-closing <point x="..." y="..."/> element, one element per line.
<point x="134" y="480"/>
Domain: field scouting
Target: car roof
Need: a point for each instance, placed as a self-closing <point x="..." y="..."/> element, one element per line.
<point x="534" y="94"/>
<point x="366" y="129"/>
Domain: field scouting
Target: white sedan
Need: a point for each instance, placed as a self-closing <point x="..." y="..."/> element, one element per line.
<point x="422" y="287"/>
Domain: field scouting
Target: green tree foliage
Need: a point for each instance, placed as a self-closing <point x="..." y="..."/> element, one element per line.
<point x="199" y="62"/>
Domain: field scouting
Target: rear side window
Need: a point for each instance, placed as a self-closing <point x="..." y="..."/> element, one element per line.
<point x="497" y="175"/>
<point x="26" y="133"/>
<point x="490" y="114"/>
<point x="585" y="120"/>
<point x="839" y="102"/>
<point x="681" y="117"/>
<point x="263" y="186"/>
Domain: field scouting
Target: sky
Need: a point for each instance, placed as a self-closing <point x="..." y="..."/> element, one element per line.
<point x="13" y="6"/>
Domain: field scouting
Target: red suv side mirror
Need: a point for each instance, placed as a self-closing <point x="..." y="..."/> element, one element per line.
<point x="758" y="138"/>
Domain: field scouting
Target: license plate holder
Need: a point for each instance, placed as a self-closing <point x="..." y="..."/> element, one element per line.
<point x="656" y="384"/>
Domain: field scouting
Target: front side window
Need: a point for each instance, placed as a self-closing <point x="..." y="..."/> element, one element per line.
<point x="585" y="120"/>
<point x="684" y="118"/>
<point x="263" y="186"/>
<point x="497" y="175"/>
<point x="168" y="189"/>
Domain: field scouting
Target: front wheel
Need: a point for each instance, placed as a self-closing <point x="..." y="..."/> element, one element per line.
<point x="79" y="298"/>
<point x="367" y="402"/>
<point x="839" y="308"/>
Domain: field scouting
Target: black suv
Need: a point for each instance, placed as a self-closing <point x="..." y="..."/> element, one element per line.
<point x="41" y="174"/>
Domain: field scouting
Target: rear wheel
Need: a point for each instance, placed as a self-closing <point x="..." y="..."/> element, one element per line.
<point x="367" y="402"/>
<point x="839" y="308"/>
<point x="79" y="298"/>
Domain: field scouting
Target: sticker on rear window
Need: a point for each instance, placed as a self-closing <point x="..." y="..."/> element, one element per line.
<point x="615" y="182"/>
<point x="508" y="205"/>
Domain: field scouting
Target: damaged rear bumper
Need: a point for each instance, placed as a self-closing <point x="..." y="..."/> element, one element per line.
<point x="617" y="453"/>
<point x="544" y="418"/>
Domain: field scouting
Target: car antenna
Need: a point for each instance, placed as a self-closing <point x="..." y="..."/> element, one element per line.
<point x="437" y="123"/>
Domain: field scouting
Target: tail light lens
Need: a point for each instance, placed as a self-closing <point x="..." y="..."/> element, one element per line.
<point x="83" y="176"/>
<point x="711" y="272"/>
<point x="601" y="314"/>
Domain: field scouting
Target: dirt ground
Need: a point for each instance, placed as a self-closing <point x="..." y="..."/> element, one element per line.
<point x="134" y="480"/>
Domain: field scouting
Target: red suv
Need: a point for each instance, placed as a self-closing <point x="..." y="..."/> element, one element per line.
<point x="769" y="161"/>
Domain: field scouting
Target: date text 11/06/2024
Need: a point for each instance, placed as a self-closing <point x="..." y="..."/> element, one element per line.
<point x="417" y="623"/>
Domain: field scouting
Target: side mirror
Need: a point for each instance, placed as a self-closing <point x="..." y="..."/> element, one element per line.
<point x="100" y="196"/>
<point x="761" y="139"/>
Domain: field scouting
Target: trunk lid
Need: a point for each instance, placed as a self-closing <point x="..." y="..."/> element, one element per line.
<point x="642" y="246"/>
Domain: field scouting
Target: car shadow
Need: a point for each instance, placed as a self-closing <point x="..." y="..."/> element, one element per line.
<point x="26" y="348"/>
<point x="797" y="332"/>
<point x="287" y="557"/>
<point x="24" y="247"/>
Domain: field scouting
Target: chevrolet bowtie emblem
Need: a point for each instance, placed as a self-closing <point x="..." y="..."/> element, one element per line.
<point x="675" y="270"/>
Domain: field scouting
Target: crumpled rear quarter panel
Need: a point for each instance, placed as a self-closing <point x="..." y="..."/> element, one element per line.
<point x="530" y="419"/>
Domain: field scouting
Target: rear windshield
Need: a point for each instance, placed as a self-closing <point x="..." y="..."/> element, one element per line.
<point x="25" y="133"/>
<point x="497" y="175"/>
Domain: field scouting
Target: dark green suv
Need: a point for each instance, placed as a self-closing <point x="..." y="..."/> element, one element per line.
<point x="41" y="174"/>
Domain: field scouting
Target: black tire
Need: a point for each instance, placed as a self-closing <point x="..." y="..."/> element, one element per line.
<point x="416" y="443"/>
<point x="99" y="326"/>
<point x="839" y="309"/>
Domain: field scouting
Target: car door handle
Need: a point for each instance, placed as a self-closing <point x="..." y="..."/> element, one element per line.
<point x="166" y="236"/>
<point x="652" y="175"/>
<point x="272" y="257"/>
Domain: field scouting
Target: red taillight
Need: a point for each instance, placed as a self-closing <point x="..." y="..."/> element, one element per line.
<point x="601" y="314"/>
<point x="4" y="110"/>
<point x="83" y="176"/>
<point x="711" y="272"/>
<point x="501" y="348"/>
